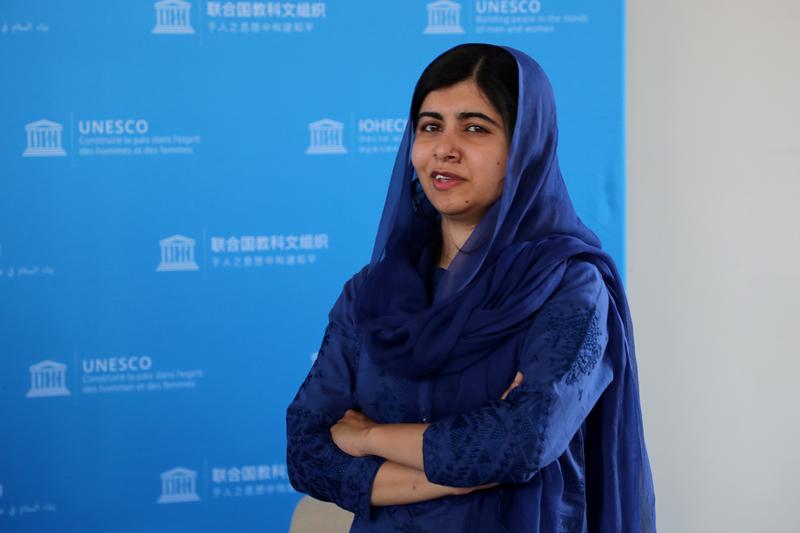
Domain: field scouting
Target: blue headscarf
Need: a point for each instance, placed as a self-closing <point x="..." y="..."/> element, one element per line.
<point x="508" y="268"/>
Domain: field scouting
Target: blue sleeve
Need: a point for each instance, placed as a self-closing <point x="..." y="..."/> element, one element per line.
<point x="316" y="465"/>
<point x="565" y="371"/>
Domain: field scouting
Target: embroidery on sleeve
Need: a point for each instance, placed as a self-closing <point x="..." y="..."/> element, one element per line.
<point x="573" y="338"/>
<point x="315" y="370"/>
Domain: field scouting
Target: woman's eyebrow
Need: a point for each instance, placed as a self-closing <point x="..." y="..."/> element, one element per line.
<point x="432" y="114"/>
<point x="464" y="115"/>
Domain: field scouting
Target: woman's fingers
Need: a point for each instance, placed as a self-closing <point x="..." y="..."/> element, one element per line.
<point x="514" y="384"/>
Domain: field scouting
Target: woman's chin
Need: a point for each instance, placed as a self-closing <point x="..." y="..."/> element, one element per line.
<point x="460" y="212"/>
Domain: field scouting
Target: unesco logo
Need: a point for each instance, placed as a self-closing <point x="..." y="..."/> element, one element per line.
<point x="327" y="137"/>
<point x="48" y="378"/>
<point x="173" y="17"/>
<point x="177" y="254"/>
<point x="444" y="17"/>
<point x="44" y="139"/>
<point x="178" y="485"/>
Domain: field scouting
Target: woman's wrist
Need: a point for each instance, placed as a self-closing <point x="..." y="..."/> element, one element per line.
<point x="401" y="443"/>
<point x="370" y="443"/>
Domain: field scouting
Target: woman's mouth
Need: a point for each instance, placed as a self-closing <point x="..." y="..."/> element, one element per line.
<point x="443" y="181"/>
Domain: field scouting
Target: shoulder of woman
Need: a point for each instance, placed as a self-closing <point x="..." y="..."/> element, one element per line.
<point x="582" y="270"/>
<point x="353" y="286"/>
<point x="342" y="311"/>
<point x="582" y="281"/>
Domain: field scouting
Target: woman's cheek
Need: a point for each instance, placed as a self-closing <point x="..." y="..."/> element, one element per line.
<point x="418" y="155"/>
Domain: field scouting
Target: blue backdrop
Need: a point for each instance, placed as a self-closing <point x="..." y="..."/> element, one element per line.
<point x="184" y="188"/>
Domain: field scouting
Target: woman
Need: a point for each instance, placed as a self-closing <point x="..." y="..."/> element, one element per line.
<point x="479" y="373"/>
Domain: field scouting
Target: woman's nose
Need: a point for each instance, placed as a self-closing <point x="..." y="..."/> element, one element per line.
<point x="447" y="148"/>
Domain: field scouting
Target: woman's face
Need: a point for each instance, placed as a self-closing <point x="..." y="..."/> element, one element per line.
<point x="460" y="151"/>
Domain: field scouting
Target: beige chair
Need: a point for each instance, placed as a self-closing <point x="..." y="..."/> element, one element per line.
<point x="314" y="516"/>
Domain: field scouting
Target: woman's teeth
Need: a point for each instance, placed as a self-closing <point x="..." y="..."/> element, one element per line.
<point x="439" y="177"/>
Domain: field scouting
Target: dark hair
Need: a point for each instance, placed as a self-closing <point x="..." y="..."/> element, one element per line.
<point x="493" y="68"/>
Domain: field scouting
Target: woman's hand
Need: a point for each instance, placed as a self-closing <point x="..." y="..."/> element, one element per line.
<point x="514" y="384"/>
<point x="351" y="431"/>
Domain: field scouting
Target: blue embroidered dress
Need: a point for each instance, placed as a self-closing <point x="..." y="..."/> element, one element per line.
<point x="531" y="290"/>
<point x="532" y="442"/>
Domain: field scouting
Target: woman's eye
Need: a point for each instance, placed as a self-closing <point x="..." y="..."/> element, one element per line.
<point x="430" y="126"/>
<point x="474" y="128"/>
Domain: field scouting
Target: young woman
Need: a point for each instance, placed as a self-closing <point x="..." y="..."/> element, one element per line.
<point x="479" y="374"/>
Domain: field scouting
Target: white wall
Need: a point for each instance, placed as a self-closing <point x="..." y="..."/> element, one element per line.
<point x="714" y="257"/>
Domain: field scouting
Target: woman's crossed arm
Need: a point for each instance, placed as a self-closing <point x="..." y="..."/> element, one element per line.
<point x="401" y="479"/>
